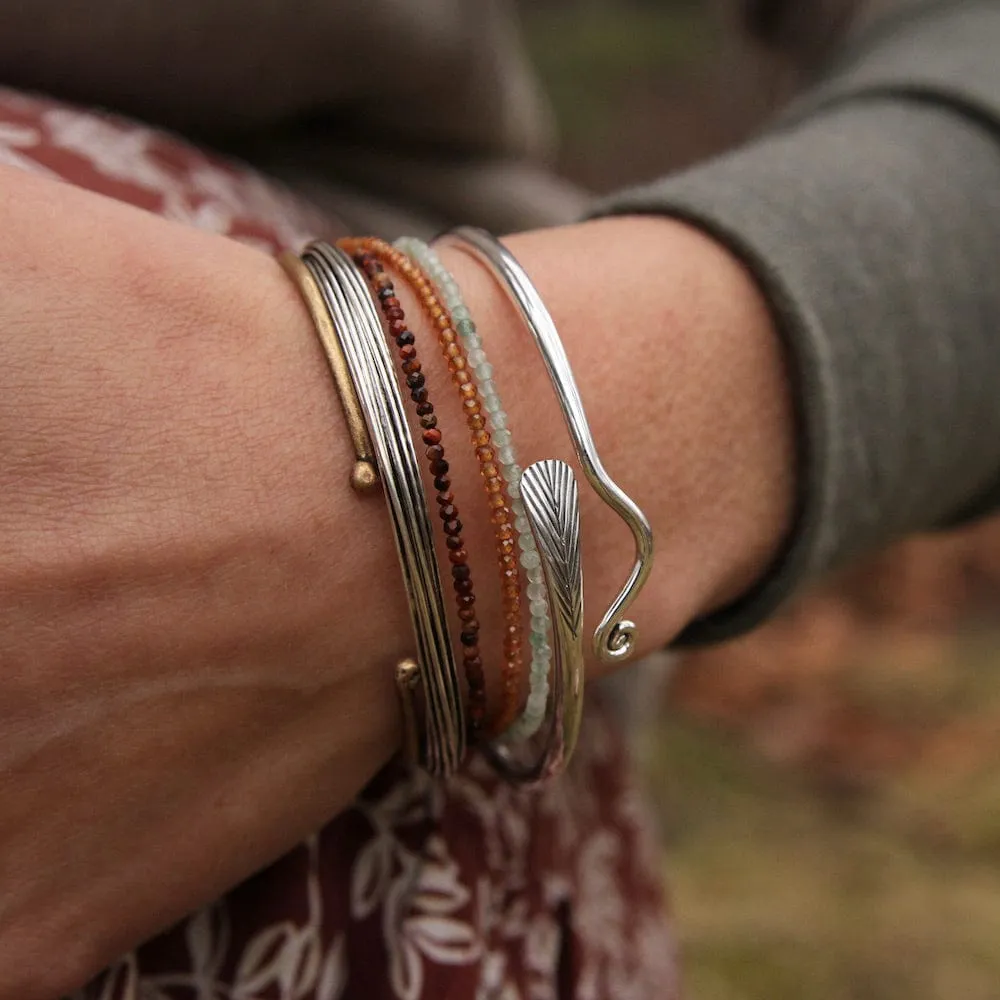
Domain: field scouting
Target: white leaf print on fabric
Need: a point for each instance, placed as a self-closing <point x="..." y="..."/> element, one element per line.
<point x="119" y="153"/>
<point x="16" y="143"/>
<point x="265" y="962"/>
<point x="207" y="938"/>
<point x="333" y="974"/>
<point x="439" y="890"/>
<point x="370" y="877"/>
<point x="450" y="942"/>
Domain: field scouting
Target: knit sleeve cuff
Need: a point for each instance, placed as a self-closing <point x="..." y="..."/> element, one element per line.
<point x="872" y="226"/>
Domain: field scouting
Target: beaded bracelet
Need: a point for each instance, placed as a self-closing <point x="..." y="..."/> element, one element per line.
<point x="462" y="582"/>
<point x="546" y="520"/>
<point x="502" y="514"/>
<point x="533" y="714"/>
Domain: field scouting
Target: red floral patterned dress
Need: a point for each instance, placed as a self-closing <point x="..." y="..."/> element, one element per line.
<point x="466" y="890"/>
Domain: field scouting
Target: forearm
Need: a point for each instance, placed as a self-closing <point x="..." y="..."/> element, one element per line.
<point x="200" y="618"/>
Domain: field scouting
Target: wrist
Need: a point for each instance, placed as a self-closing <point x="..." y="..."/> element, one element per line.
<point x="684" y="382"/>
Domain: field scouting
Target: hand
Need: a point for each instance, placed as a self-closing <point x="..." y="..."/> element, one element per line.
<point x="198" y="618"/>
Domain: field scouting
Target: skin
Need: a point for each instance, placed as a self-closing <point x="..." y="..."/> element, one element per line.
<point x="199" y="617"/>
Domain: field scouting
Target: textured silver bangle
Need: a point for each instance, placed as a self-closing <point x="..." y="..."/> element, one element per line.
<point x="552" y="507"/>
<point x="366" y="353"/>
<point x="614" y="638"/>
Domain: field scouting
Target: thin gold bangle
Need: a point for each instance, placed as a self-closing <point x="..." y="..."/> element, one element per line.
<point x="364" y="475"/>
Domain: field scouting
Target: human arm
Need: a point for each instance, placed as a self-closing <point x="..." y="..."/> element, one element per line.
<point x="199" y="618"/>
<point x="707" y="460"/>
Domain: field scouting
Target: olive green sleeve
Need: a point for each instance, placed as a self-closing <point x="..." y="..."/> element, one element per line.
<point x="870" y="217"/>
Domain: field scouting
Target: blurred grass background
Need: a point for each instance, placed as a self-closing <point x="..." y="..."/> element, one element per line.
<point x="828" y="788"/>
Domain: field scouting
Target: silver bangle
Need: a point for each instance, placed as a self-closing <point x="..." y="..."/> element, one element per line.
<point x="552" y="508"/>
<point x="614" y="638"/>
<point x="359" y="330"/>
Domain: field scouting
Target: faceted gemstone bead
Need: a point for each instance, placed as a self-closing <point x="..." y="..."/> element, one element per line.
<point x="530" y="560"/>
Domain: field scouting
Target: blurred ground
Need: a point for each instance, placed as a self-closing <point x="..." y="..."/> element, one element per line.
<point x="829" y="787"/>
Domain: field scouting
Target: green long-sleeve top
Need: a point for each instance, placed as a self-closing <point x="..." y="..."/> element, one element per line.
<point x="869" y="213"/>
<point x="870" y="216"/>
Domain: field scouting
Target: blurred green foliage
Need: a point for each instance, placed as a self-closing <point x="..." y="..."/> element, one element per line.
<point x="787" y="887"/>
<point x="591" y="54"/>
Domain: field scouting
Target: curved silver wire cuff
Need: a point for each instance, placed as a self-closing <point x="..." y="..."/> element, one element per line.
<point x="552" y="507"/>
<point x="614" y="638"/>
<point x="369" y="362"/>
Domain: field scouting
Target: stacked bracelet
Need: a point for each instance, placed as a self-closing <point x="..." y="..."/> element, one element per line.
<point x="535" y="512"/>
<point x="489" y="454"/>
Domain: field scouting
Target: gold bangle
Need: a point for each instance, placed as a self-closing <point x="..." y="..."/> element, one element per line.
<point x="364" y="475"/>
